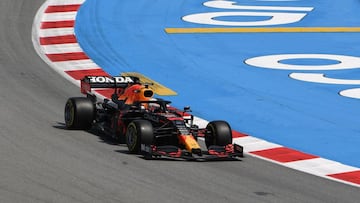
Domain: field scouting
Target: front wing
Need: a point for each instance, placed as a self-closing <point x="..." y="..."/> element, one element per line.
<point x="231" y="151"/>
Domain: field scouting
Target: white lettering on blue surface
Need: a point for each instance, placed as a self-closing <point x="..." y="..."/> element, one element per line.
<point x="342" y="62"/>
<point x="274" y="18"/>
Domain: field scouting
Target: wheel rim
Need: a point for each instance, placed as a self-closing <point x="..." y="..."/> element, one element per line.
<point x="69" y="114"/>
<point x="131" y="138"/>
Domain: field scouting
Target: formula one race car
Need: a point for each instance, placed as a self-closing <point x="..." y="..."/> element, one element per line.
<point x="147" y="125"/>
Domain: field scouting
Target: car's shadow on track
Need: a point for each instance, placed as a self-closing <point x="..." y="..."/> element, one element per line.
<point x="164" y="158"/>
<point x="153" y="159"/>
<point x="111" y="141"/>
<point x="98" y="133"/>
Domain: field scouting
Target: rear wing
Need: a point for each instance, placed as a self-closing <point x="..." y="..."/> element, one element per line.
<point x="90" y="82"/>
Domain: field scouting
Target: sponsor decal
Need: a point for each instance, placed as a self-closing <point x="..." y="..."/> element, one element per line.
<point x="273" y="18"/>
<point x="228" y="20"/>
<point x="117" y="79"/>
<point x="340" y="62"/>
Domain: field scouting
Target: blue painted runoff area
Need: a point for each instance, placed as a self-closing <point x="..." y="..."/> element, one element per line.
<point x="209" y="73"/>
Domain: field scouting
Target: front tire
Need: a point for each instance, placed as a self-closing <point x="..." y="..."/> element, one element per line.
<point x="138" y="132"/>
<point x="218" y="133"/>
<point x="79" y="113"/>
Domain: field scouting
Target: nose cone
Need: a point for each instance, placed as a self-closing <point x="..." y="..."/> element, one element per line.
<point x="190" y="143"/>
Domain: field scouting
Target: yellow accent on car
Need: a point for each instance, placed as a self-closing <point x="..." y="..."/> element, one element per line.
<point x="189" y="142"/>
<point x="156" y="87"/>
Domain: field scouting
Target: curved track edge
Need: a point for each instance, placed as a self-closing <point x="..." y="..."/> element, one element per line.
<point x="55" y="42"/>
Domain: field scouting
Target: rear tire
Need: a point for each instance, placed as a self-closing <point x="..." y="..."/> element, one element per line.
<point x="218" y="133"/>
<point x="138" y="132"/>
<point x="79" y="113"/>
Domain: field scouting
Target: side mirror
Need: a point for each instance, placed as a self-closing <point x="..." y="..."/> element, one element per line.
<point x="188" y="120"/>
<point x="187" y="109"/>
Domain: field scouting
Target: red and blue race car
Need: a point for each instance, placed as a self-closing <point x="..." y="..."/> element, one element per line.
<point x="148" y="126"/>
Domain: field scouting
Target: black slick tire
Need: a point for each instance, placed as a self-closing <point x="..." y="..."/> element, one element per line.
<point x="218" y="133"/>
<point x="79" y="113"/>
<point x="138" y="132"/>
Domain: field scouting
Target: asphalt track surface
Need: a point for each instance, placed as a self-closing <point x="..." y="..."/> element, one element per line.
<point x="42" y="162"/>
